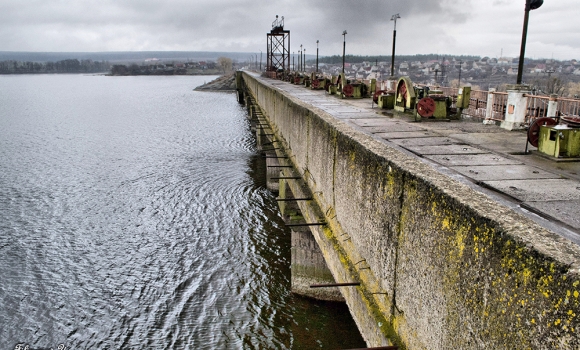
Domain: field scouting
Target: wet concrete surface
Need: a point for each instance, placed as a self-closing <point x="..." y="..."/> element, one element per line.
<point x="490" y="157"/>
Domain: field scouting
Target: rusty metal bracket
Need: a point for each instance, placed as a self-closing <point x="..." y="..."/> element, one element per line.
<point x="347" y="284"/>
<point x="307" y="224"/>
<point x="292" y="199"/>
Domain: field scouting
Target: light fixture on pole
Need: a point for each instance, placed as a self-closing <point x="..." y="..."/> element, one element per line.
<point x="300" y="64"/>
<point x="394" y="18"/>
<point x="344" y="33"/>
<point x="316" y="56"/>
<point x="304" y="60"/>
<point x="530" y="5"/>
<point x="460" y="64"/>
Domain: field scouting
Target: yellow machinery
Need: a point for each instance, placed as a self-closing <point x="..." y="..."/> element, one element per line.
<point x="429" y="103"/>
<point x="404" y="95"/>
<point x="332" y="85"/>
<point x="318" y="82"/>
<point x="559" y="141"/>
<point x="350" y="89"/>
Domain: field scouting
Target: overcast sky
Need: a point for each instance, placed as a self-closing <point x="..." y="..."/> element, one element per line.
<point x="459" y="27"/>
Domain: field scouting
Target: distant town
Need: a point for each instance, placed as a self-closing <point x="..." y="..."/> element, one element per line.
<point x="545" y="76"/>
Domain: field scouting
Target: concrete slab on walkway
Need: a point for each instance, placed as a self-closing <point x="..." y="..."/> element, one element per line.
<point x="566" y="211"/>
<point x="498" y="142"/>
<point x="445" y="149"/>
<point x="539" y="190"/>
<point x="351" y="115"/>
<point x="426" y="141"/>
<point x="390" y="127"/>
<point x="381" y="121"/>
<point x="503" y="172"/>
<point x="470" y="159"/>
<point x="345" y="109"/>
<point x="405" y="134"/>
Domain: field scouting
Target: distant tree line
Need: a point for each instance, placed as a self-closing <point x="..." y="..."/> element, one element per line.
<point x="63" y="66"/>
<point x="337" y="59"/>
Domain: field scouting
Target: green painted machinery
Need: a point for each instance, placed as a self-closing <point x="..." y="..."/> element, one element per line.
<point x="559" y="141"/>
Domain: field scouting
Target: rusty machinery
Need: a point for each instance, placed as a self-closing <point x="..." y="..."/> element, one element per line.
<point x="557" y="138"/>
<point x="317" y="81"/>
<point x="332" y="85"/>
<point x="278" y="47"/>
<point x="404" y="95"/>
<point x="297" y="78"/>
<point x="384" y="98"/>
<point x="429" y="103"/>
<point x="354" y="89"/>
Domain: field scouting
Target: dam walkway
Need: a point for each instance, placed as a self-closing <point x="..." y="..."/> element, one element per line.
<point x="487" y="158"/>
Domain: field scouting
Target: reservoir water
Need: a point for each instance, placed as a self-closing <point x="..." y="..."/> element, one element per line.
<point x="134" y="215"/>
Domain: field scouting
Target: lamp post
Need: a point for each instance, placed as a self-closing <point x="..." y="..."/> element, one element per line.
<point x="300" y="64"/>
<point x="530" y="5"/>
<point x="316" y="56"/>
<point x="304" y="60"/>
<point x="343" y="48"/>
<point x="293" y="65"/>
<point x="460" y="64"/>
<point x="394" y="18"/>
<point x="260" y="60"/>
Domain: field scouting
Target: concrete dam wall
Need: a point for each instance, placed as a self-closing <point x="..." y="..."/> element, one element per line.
<point x="441" y="266"/>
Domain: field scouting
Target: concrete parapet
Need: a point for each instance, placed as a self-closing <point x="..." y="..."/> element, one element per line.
<point x="441" y="265"/>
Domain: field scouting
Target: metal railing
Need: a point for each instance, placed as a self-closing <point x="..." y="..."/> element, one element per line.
<point x="499" y="105"/>
<point x="537" y="107"/>
<point x="568" y="107"/>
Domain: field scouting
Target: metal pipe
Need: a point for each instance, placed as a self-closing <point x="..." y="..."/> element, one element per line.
<point x="316" y="56"/>
<point x="347" y="284"/>
<point x="394" y="18"/>
<point x="343" y="49"/>
<point x="523" y="46"/>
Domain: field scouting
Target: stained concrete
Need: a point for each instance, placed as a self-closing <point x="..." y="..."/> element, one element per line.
<point x="504" y="172"/>
<point x="568" y="211"/>
<point x="471" y="159"/>
<point x="425" y="141"/>
<point x="442" y="264"/>
<point x="538" y="189"/>
<point x="449" y="149"/>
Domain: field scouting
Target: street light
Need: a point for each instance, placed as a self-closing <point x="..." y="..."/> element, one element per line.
<point x="530" y="5"/>
<point x="316" y="56"/>
<point x="304" y="60"/>
<point x="343" y="48"/>
<point x="394" y="18"/>
<point x="260" y="60"/>
<point x="300" y="63"/>
<point x="460" y="64"/>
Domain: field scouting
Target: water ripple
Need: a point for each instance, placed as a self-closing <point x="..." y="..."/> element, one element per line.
<point x="137" y="220"/>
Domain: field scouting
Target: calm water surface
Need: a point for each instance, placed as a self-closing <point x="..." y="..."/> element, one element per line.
<point x="133" y="215"/>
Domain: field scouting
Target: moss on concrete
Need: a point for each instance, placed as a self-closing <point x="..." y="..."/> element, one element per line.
<point x="441" y="266"/>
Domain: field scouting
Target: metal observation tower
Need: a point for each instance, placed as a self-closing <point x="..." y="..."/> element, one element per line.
<point x="278" y="51"/>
